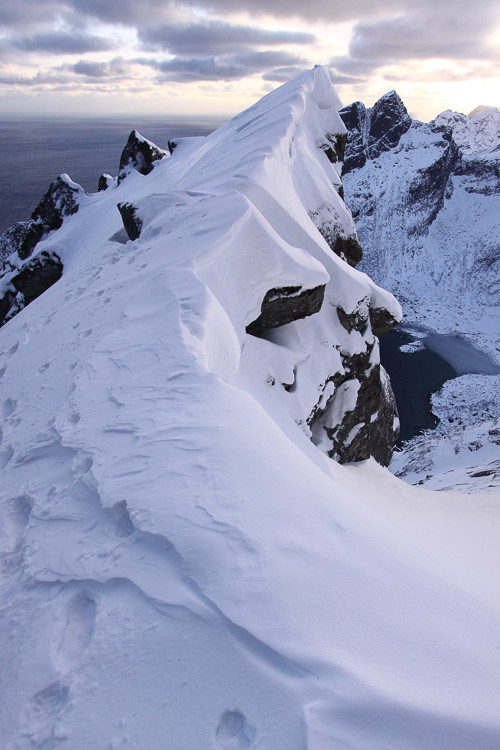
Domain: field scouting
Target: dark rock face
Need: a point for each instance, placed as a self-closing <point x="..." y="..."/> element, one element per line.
<point x="281" y="306"/>
<point x="381" y="320"/>
<point x="348" y="248"/>
<point x="21" y="239"/>
<point x="22" y="286"/>
<point x="60" y="200"/>
<point x="131" y="221"/>
<point x="334" y="146"/>
<point x="356" y="320"/>
<point x="104" y="182"/>
<point x="139" y="154"/>
<point x="373" y="131"/>
<point x="427" y="193"/>
<point x="360" y="419"/>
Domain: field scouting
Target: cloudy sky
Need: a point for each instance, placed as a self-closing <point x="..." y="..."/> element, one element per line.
<point x="193" y="57"/>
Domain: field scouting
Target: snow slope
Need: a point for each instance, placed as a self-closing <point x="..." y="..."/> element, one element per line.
<point x="182" y="565"/>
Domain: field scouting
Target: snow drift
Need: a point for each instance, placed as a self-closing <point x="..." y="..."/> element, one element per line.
<point x="184" y="565"/>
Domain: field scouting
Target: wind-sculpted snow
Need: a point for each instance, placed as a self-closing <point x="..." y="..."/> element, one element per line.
<point x="182" y="563"/>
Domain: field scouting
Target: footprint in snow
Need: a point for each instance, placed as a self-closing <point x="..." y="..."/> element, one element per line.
<point x="8" y="407"/>
<point x="234" y="732"/>
<point x="78" y="631"/>
<point x="42" y="715"/>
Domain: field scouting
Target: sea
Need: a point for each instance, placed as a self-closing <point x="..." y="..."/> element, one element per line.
<point x="36" y="151"/>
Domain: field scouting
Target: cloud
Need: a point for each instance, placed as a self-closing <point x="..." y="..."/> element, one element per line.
<point x="116" y="68"/>
<point x="423" y="36"/>
<point x="215" y="38"/>
<point x="26" y="13"/>
<point x="281" y="75"/>
<point x="62" y="43"/>
<point x="225" y="67"/>
<point x="40" y="79"/>
<point x="354" y="69"/>
<point x="124" y="12"/>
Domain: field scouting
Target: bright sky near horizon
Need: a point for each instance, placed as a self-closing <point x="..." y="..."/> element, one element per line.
<point x="216" y="57"/>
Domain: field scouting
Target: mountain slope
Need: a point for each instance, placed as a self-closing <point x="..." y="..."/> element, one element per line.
<point x="183" y="564"/>
<point x="426" y="205"/>
<point x="426" y="199"/>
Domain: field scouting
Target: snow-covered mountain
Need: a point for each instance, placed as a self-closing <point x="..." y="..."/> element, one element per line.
<point x="183" y="563"/>
<point x="426" y="200"/>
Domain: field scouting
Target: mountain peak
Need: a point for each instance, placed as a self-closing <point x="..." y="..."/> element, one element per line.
<point x="374" y="130"/>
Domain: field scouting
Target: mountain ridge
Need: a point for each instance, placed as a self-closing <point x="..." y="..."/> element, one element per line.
<point x="182" y="560"/>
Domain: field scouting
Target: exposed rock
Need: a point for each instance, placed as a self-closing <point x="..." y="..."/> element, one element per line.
<point x="328" y="223"/>
<point x="428" y="191"/>
<point x="360" y="418"/>
<point x="348" y="248"/>
<point x="357" y="320"/>
<point x="61" y="199"/>
<point x="23" y="286"/>
<point x="105" y="180"/>
<point x="334" y="147"/>
<point x="381" y="320"/>
<point x="131" y="221"/>
<point x="21" y="239"/>
<point x="281" y="306"/>
<point x="139" y="154"/>
<point x="373" y="131"/>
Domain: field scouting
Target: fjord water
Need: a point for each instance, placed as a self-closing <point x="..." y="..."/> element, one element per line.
<point x="35" y="152"/>
<point x="415" y="375"/>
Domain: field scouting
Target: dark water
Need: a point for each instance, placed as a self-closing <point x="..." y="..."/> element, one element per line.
<point x="35" y="152"/>
<point x="416" y="375"/>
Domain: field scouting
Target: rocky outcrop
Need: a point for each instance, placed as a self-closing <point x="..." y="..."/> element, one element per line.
<point x="327" y="222"/>
<point x="360" y="417"/>
<point x="61" y="199"/>
<point x="105" y="180"/>
<point x="20" y="286"/>
<point x="139" y="154"/>
<point x="382" y="320"/>
<point x="427" y="192"/>
<point x="131" y="221"/>
<point x="334" y="146"/>
<point x="373" y="131"/>
<point x="281" y="306"/>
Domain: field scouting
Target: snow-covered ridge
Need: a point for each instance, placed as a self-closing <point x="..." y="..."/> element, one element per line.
<point x="181" y="564"/>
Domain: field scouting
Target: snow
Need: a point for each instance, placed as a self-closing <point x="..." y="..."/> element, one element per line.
<point x="182" y="566"/>
<point x="476" y="132"/>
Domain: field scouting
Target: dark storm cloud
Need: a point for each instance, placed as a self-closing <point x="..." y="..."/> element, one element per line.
<point x="215" y="37"/>
<point x="226" y="67"/>
<point x="62" y="43"/>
